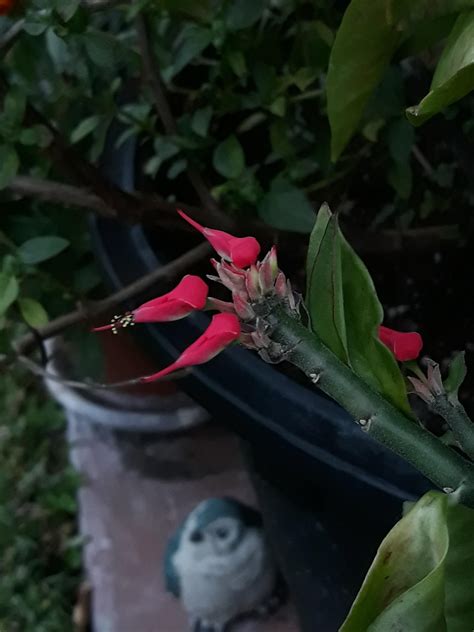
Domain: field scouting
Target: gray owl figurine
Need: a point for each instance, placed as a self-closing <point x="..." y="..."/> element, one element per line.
<point x="218" y="564"/>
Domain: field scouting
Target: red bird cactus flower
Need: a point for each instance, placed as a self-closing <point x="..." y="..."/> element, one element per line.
<point x="404" y="345"/>
<point x="222" y="332"/>
<point x="242" y="251"/>
<point x="189" y="295"/>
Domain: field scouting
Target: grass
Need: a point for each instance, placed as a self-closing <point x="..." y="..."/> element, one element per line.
<point x="40" y="561"/>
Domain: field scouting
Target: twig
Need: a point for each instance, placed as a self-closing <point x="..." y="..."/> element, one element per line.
<point x="87" y="312"/>
<point x="101" y="5"/>
<point x="10" y="37"/>
<point x="37" y="369"/>
<point x="59" y="193"/>
<point x="69" y="195"/>
<point x="426" y="165"/>
<point x="152" y="76"/>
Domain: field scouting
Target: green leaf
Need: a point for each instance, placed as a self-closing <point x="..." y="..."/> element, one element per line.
<point x="345" y="311"/>
<point x="85" y="127"/>
<point x="36" y="135"/>
<point x="364" y="45"/>
<point x="454" y="75"/>
<point x="228" y="158"/>
<point x="286" y="207"/>
<point x="421" y="578"/>
<point x="8" y="291"/>
<point x="33" y="312"/>
<point x="40" y="249"/>
<point x="324" y="292"/>
<point x="400" y="177"/>
<point x="366" y="41"/>
<point x="9" y="164"/>
<point x="103" y="49"/>
<point x="243" y="13"/>
<point x="192" y="41"/>
<point x="201" y="120"/>
<point x="456" y="375"/>
<point x="400" y="138"/>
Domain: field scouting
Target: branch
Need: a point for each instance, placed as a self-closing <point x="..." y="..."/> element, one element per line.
<point x="457" y="419"/>
<point x="87" y="312"/>
<point x="9" y="38"/>
<point x="152" y="77"/>
<point x="59" y="193"/>
<point x="69" y="195"/>
<point x="375" y="415"/>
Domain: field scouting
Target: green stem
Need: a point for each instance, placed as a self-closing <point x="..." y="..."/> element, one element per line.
<point x="456" y="417"/>
<point x="375" y="415"/>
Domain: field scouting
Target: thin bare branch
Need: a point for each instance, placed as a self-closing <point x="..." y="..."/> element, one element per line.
<point x="9" y="37"/>
<point x="59" y="193"/>
<point x="69" y="195"/>
<point x="87" y="312"/>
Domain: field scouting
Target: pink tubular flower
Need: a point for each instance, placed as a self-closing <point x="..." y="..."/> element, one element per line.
<point x="190" y="294"/>
<point x="223" y="330"/>
<point x="404" y="346"/>
<point x="242" y="251"/>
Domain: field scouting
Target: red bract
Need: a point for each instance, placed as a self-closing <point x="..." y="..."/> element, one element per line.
<point x="6" y="6"/>
<point x="242" y="251"/>
<point x="223" y="330"/>
<point x="190" y="294"/>
<point x="404" y="345"/>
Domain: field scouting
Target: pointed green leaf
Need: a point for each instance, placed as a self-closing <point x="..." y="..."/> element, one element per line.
<point x="8" y="291"/>
<point x="33" y="312"/>
<point x="9" y="164"/>
<point x="324" y="294"/>
<point x="286" y="207"/>
<point x="422" y="576"/>
<point x="345" y="311"/>
<point x="459" y="571"/>
<point x="40" y="249"/>
<point x="364" y="45"/>
<point x="454" y="75"/>
<point x="229" y="158"/>
<point x="369" y="34"/>
<point x="457" y="373"/>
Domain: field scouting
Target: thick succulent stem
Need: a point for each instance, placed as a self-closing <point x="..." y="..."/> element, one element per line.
<point x="375" y="415"/>
<point x="457" y="419"/>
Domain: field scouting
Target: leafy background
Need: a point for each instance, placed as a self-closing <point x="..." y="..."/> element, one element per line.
<point x="280" y="104"/>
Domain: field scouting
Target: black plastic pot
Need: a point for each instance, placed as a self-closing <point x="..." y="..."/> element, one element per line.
<point x="328" y="492"/>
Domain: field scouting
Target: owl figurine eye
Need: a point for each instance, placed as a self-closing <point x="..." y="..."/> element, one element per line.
<point x="222" y="533"/>
<point x="196" y="536"/>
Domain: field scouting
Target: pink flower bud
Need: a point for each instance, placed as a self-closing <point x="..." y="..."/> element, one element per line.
<point x="243" y="251"/>
<point x="280" y="285"/>
<point x="223" y="331"/>
<point x="252" y="283"/>
<point x="220" y="306"/>
<point x="268" y="271"/>
<point x="231" y="277"/>
<point x="404" y="346"/>
<point x="190" y="294"/>
<point x="242" y="306"/>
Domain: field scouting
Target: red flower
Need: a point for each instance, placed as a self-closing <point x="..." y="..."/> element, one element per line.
<point x="188" y="295"/>
<point x="223" y="330"/>
<point x="243" y="251"/>
<point x="6" y="6"/>
<point x="404" y="345"/>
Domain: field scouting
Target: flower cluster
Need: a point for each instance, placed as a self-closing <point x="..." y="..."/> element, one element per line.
<point x="251" y="283"/>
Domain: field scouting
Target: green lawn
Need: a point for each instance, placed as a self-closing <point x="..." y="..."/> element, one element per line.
<point x="40" y="558"/>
